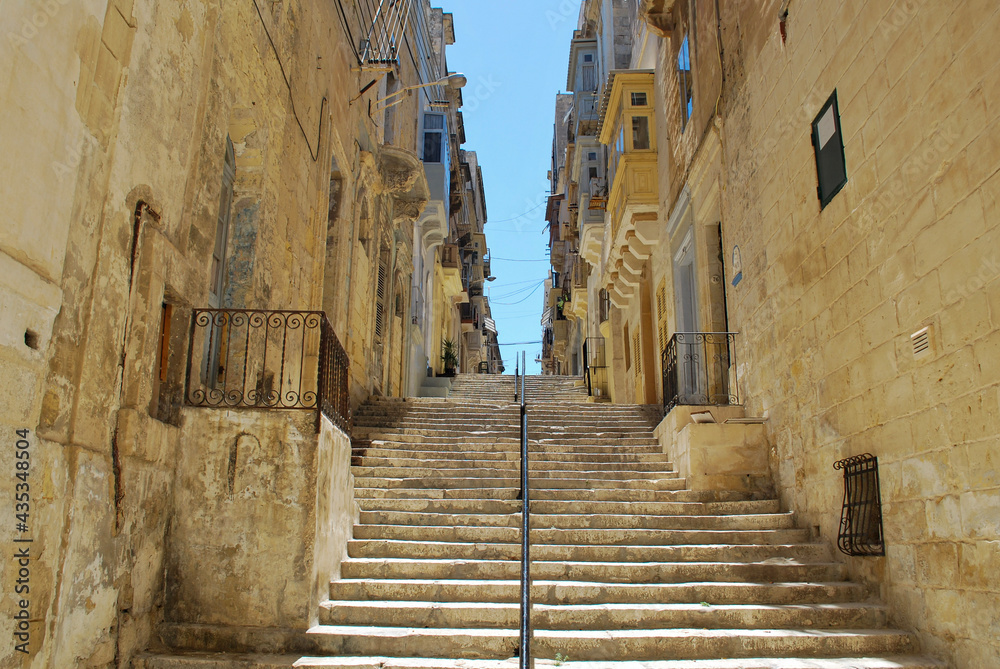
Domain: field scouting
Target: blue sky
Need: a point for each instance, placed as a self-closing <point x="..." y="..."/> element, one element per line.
<point x="514" y="53"/>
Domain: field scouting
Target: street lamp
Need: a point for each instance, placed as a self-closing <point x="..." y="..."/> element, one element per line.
<point x="454" y="80"/>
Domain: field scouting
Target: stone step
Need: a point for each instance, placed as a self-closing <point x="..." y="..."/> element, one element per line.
<point x="388" y="548"/>
<point x="600" y="536"/>
<point x="511" y="447"/>
<point x="510" y="492"/>
<point x="514" y="456"/>
<point x="594" y="441"/>
<point x="587" y="593"/>
<point x="768" y="521"/>
<point x="587" y="508"/>
<point x="601" y="645"/>
<point x="228" y="661"/>
<point x="585" y="473"/>
<point x="610" y="436"/>
<point x="479" y="424"/>
<point x="401" y="467"/>
<point x="603" y="616"/>
<point x="431" y="481"/>
<point x="596" y="572"/>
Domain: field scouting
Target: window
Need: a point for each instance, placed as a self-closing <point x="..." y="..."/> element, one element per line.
<point x="588" y="58"/>
<point x="217" y="276"/>
<point x="592" y="155"/>
<point x="684" y="81"/>
<point x="593" y="172"/>
<point x="640" y="133"/>
<point x="828" y="144"/>
<point x="433" y="138"/>
<point x="638" y="99"/>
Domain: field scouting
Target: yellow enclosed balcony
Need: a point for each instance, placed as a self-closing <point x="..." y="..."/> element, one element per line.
<point x="628" y="128"/>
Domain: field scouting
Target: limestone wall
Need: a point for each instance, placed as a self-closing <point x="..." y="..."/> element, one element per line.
<point x="115" y="117"/>
<point x="830" y="298"/>
<point x="264" y="508"/>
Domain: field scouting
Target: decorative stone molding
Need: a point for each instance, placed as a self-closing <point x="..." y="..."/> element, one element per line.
<point x="658" y="15"/>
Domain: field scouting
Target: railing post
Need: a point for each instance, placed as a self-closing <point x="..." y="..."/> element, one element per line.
<point x="525" y="649"/>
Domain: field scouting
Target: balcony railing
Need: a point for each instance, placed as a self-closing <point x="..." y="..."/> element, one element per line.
<point x="699" y="368"/>
<point x="252" y="359"/>
<point x="449" y="256"/>
<point x="469" y="314"/>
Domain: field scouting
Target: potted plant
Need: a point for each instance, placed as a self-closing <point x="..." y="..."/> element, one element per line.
<point x="449" y="356"/>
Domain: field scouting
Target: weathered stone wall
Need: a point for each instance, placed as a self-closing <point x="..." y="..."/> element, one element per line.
<point x="830" y="298"/>
<point x="111" y="185"/>
<point x="264" y="508"/>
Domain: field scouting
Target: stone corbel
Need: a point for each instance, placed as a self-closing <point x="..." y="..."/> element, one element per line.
<point x="633" y="264"/>
<point x="433" y="225"/>
<point x="617" y="298"/>
<point x="658" y="15"/>
<point x="627" y="274"/>
<point x="646" y="229"/>
<point x="401" y="175"/>
<point x="635" y="247"/>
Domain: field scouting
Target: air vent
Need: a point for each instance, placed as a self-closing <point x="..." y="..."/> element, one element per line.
<point x="921" y="341"/>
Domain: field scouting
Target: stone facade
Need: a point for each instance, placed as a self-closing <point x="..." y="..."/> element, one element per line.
<point x="170" y="156"/>
<point x="831" y="300"/>
<point x="831" y="297"/>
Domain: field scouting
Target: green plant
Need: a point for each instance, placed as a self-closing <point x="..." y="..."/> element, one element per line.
<point x="449" y="354"/>
<point x="560" y="658"/>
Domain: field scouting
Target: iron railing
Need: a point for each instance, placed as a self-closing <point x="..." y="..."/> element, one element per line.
<point x="595" y="366"/>
<point x="334" y="378"/>
<point x="699" y="368"/>
<point x="861" y="518"/>
<point x="256" y="359"/>
<point x="524" y="652"/>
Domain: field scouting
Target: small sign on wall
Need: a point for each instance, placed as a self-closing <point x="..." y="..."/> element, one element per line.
<point x="737" y="266"/>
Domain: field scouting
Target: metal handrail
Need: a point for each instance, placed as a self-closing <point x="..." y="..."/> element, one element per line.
<point x="525" y="648"/>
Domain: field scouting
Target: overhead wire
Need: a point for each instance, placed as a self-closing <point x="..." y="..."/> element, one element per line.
<point x="507" y="220"/>
<point x="319" y="132"/>
<point x="507" y="304"/>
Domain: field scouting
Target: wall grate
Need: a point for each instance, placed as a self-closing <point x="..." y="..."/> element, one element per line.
<point x="921" y="341"/>
<point x="861" y="518"/>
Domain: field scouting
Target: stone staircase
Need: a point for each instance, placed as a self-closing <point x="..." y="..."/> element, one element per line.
<point x="629" y="569"/>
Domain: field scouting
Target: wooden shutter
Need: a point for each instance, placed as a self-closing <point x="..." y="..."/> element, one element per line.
<point x="380" y="301"/>
<point x="637" y="352"/>
<point x="661" y="313"/>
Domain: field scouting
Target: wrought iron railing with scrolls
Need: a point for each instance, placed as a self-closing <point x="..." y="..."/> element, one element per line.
<point x="260" y="359"/>
<point x="699" y="368"/>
